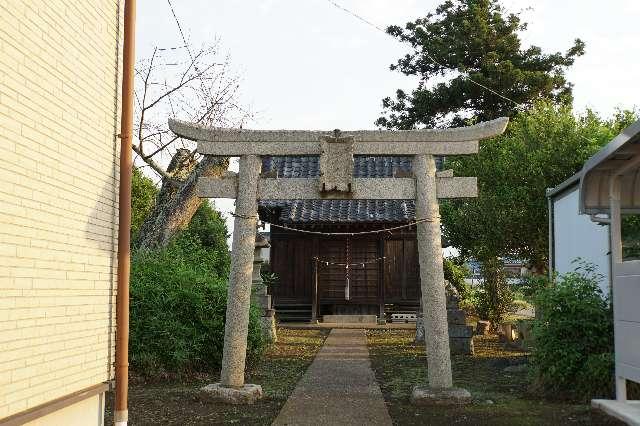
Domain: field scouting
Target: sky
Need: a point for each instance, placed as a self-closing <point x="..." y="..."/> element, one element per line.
<point x="305" y="64"/>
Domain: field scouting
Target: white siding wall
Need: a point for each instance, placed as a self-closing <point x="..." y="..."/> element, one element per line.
<point x="576" y="236"/>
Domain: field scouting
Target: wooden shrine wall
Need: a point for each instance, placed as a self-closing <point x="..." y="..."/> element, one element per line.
<point x="396" y="280"/>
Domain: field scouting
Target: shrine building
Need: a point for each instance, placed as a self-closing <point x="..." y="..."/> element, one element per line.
<point x="383" y="276"/>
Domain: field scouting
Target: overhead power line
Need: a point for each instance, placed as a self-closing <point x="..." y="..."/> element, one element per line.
<point x="431" y="58"/>
<point x="435" y="61"/>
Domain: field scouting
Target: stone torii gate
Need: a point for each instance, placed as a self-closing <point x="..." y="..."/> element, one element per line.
<point x="336" y="181"/>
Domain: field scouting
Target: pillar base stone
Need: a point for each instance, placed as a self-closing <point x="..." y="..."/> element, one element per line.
<point x="246" y="395"/>
<point x="424" y="395"/>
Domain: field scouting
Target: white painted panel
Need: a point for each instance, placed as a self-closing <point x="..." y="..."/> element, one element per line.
<point x="626" y="296"/>
<point x="576" y="236"/>
<point x="88" y="412"/>
<point x="626" y="299"/>
<point x="627" y="343"/>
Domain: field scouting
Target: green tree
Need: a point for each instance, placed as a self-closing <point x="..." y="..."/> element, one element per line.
<point x="467" y="41"/>
<point x="540" y="149"/>
<point x="143" y="199"/>
<point x="178" y="297"/>
<point x="209" y="229"/>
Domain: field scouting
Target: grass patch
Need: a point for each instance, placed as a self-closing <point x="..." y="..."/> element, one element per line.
<point x="500" y="398"/>
<point x="153" y="402"/>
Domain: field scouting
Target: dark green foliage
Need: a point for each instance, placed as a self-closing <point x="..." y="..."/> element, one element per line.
<point x="143" y="199"/>
<point x="530" y="285"/>
<point x="573" y="331"/>
<point x="455" y="272"/>
<point x="178" y="301"/>
<point x="479" y="39"/>
<point x="209" y="228"/>
<point x="541" y="148"/>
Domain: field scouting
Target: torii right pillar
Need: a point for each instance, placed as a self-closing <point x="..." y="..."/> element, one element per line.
<point x="440" y="388"/>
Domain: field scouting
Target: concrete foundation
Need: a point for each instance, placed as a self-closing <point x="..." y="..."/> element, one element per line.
<point x="626" y="411"/>
<point x="432" y="396"/>
<point x="87" y="412"/>
<point x="247" y="394"/>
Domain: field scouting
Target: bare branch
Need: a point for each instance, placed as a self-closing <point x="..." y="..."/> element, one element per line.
<point x="182" y="84"/>
<point x="200" y="89"/>
<point x="144" y="99"/>
<point x="155" y="166"/>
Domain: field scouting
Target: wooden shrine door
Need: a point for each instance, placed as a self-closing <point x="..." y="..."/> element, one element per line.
<point x="363" y="274"/>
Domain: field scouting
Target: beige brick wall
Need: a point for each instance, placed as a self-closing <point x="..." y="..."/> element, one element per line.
<point x="58" y="197"/>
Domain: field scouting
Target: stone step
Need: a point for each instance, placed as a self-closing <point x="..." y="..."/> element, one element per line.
<point x="350" y="319"/>
<point x="460" y="331"/>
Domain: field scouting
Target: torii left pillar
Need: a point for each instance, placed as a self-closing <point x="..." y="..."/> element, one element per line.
<point x="232" y="388"/>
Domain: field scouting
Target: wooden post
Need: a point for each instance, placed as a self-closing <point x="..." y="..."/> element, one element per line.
<point x="615" y="235"/>
<point x="314" y="306"/>
<point x="381" y="283"/>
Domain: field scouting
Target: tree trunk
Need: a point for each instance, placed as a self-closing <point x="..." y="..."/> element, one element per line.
<point x="177" y="200"/>
<point x="497" y="299"/>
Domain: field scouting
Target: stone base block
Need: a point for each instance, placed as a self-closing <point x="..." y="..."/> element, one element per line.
<point x="268" y="324"/>
<point x="461" y="346"/>
<point x="424" y="395"/>
<point x="247" y="394"/>
<point x="456" y="316"/>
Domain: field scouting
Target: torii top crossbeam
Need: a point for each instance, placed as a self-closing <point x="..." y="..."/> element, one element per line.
<point x="337" y="158"/>
<point x="235" y="142"/>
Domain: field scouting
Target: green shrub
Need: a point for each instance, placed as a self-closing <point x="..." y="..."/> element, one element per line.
<point x="595" y="379"/>
<point x="494" y="297"/>
<point x="143" y="199"/>
<point x="178" y="302"/>
<point x="269" y="279"/>
<point x="573" y="333"/>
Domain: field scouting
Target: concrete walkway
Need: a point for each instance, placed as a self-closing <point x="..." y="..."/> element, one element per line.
<point x="339" y="388"/>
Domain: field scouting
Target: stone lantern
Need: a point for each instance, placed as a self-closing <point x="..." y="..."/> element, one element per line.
<point x="259" y="294"/>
